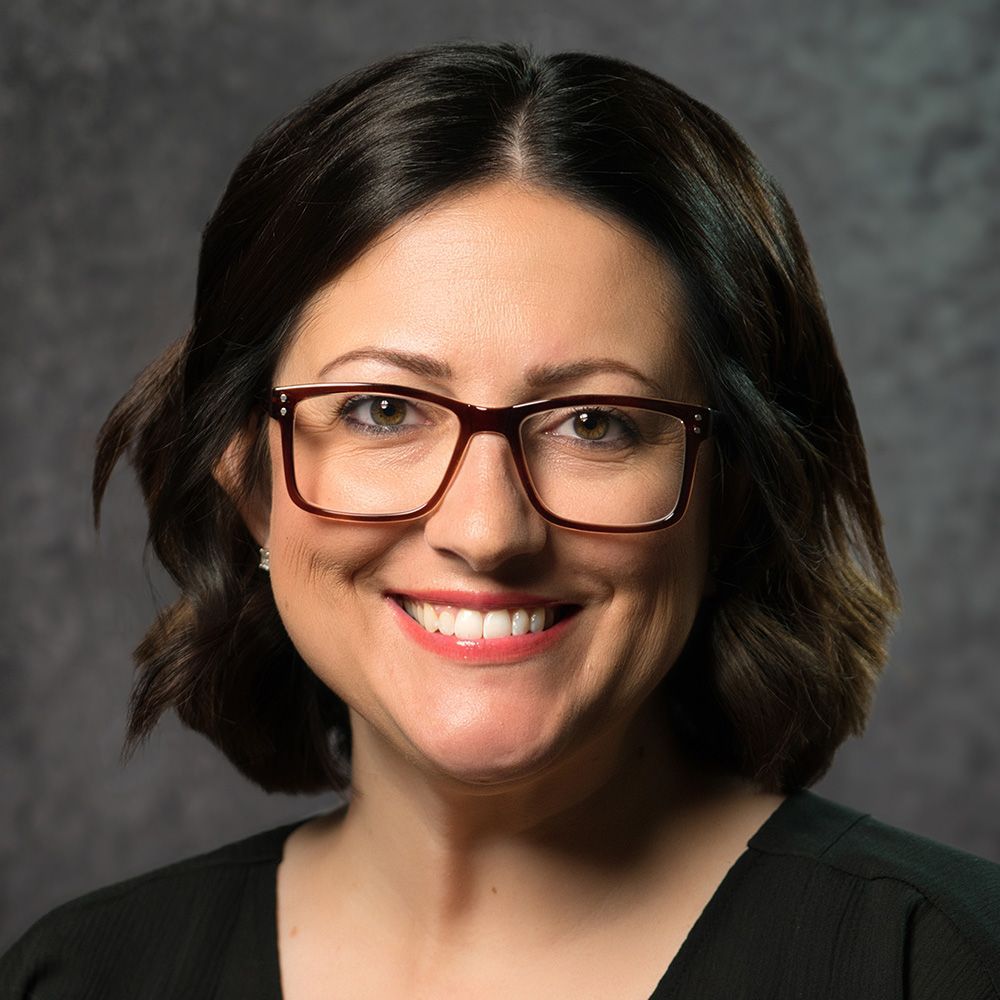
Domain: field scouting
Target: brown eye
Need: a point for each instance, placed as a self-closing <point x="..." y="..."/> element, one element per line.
<point x="387" y="412"/>
<point x="591" y="426"/>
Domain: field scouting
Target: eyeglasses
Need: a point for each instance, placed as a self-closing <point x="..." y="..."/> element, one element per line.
<point x="368" y="451"/>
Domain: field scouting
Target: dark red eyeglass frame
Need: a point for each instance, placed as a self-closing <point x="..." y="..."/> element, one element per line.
<point x="700" y="423"/>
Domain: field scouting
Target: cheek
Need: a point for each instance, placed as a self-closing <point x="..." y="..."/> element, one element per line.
<point x="666" y="593"/>
<point x="649" y="569"/>
<point x="317" y="568"/>
<point x="311" y="556"/>
<point x="655" y="585"/>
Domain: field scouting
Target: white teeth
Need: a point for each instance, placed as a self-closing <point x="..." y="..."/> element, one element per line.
<point x="446" y="622"/>
<point x="430" y="618"/>
<point x="496" y="624"/>
<point x="468" y="623"/>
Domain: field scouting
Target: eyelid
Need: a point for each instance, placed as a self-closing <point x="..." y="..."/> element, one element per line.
<point x="366" y="397"/>
<point x="560" y="415"/>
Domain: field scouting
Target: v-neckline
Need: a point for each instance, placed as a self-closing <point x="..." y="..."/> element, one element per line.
<point x="701" y="929"/>
<point x="666" y="987"/>
<point x="805" y="823"/>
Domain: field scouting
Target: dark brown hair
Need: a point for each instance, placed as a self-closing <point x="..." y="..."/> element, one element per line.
<point x="782" y="664"/>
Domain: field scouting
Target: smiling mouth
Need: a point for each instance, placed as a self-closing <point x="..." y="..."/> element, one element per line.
<point x="471" y="623"/>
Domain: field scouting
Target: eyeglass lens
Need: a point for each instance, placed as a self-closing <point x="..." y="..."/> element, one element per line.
<point x="375" y="454"/>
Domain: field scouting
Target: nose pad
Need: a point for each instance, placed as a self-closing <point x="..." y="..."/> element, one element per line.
<point x="485" y="516"/>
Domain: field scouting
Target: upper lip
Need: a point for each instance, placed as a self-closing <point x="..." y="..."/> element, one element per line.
<point x="480" y="599"/>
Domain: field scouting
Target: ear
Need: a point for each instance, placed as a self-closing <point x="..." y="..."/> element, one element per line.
<point x="243" y="474"/>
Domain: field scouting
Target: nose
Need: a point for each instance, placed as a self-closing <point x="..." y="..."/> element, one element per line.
<point x="485" y="517"/>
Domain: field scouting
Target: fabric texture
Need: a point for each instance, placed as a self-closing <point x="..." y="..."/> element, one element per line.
<point x="825" y="902"/>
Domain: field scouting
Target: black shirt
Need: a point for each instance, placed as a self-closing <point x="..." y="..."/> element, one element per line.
<point x="825" y="902"/>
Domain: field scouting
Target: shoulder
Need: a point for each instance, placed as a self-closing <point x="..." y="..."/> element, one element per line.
<point x="942" y="903"/>
<point x="839" y="837"/>
<point x="118" y="939"/>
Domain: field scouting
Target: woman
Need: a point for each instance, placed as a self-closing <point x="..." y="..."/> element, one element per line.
<point x="513" y="487"/>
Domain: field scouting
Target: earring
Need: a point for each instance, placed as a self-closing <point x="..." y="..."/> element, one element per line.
<point x="265" y="559"/>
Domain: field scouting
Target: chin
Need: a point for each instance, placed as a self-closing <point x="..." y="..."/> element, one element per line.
<point x="484" y="755"/>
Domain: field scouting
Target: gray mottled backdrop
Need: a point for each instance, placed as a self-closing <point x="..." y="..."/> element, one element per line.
<point x="120" y="125"/>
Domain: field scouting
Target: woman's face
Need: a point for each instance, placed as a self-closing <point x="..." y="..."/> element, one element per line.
<point x="473" y="300"/>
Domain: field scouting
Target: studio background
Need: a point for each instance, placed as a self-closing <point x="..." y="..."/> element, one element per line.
<point x="121" y="123"/>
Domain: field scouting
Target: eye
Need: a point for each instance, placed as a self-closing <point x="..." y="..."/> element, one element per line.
<point x="387" y="412"/>
<point x="377" y="411"/>
<point x="595" y="425"/>
<point x="592" y="426"/>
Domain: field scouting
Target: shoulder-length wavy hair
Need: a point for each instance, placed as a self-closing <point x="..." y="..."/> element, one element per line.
<point x="782" y="664"/>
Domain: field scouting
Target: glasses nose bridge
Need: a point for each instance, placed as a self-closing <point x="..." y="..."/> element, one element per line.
<point x="500" y="420"/>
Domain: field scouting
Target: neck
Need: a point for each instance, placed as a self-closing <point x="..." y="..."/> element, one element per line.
<point x="528" y="862"/>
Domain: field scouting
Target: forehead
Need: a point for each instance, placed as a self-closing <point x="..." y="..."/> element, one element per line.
<point x="500" y="276"/>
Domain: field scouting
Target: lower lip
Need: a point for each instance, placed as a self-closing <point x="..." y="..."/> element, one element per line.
<point x="510" y="649"/>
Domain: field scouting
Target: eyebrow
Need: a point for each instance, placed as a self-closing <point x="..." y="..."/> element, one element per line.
<point x="419" y="364"/>
<point x="544" y="376"/>
<point x="538" y="376"/>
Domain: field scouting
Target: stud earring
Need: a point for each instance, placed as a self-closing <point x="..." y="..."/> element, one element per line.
<point x="265" y="559"/>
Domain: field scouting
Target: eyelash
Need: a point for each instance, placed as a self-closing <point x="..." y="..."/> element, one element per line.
<point x="345" y="408"/>
<point x="630" y="430"/>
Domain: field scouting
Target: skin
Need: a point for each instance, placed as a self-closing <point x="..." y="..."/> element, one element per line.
<point x="500" y="809"/>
